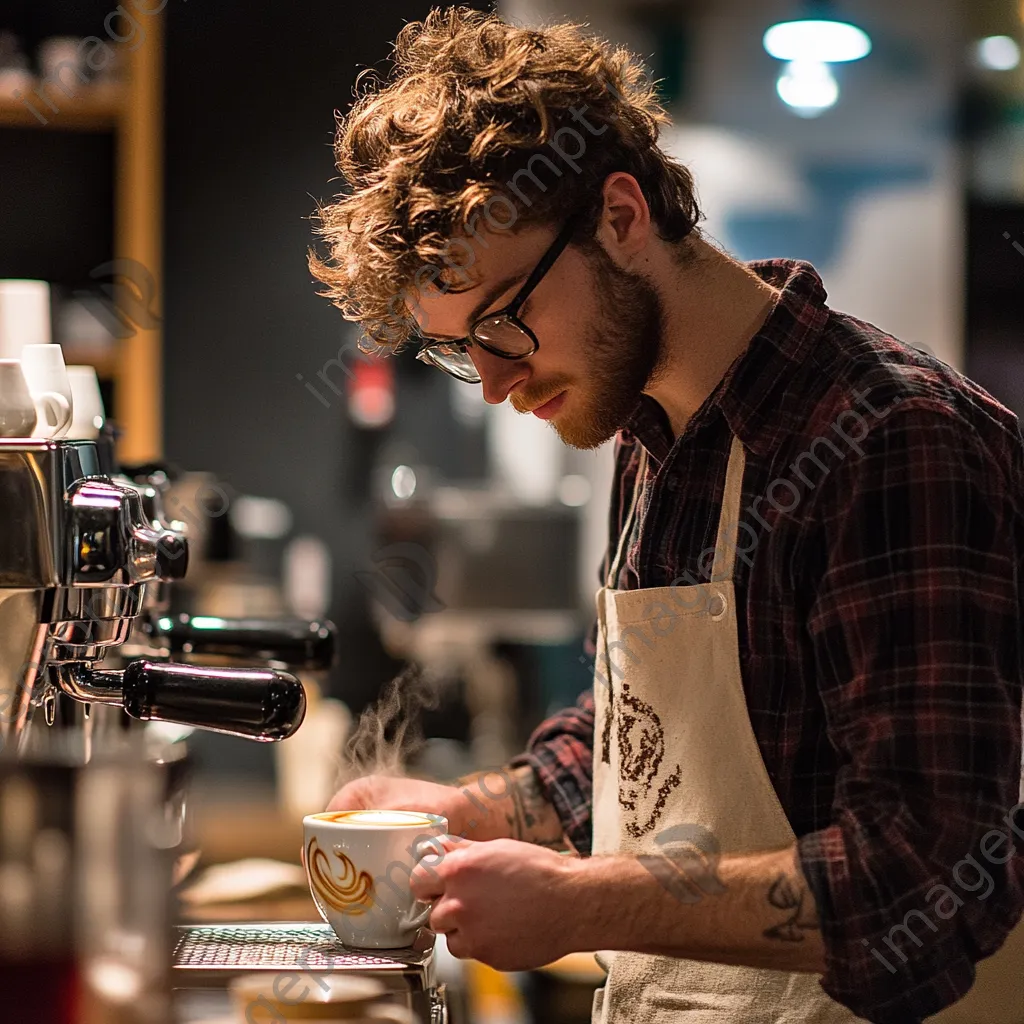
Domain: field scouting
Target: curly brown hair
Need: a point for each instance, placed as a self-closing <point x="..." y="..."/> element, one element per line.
<point x="472" y="106"/>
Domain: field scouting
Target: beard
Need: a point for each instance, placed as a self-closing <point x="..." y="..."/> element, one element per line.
<point x="624" y="352"/>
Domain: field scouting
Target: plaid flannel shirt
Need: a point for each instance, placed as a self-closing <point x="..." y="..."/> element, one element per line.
<point x="880" y="615"/>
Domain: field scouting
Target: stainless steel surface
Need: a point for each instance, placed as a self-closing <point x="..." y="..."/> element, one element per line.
<point x="272" y="946"/>
<point x="210" y="956"/>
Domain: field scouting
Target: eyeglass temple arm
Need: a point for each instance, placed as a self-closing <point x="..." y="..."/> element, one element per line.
<point x="554" y="251"/>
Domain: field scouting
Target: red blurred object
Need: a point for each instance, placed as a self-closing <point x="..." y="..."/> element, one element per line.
<point x="371" y="393"/>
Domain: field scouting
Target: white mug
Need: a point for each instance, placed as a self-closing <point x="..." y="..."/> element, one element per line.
<point x="358" y="864"/>
<point x="24" y="316"/>
<point x="340" y="998"/>
<point x="87" y="403"/>
<point x="45" y="372"/>
<point x="20" y="410"/>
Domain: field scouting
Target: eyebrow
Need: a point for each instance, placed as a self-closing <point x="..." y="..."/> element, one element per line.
<point x="495" y="292"/>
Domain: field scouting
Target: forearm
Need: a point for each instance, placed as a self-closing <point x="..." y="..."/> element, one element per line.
<point x="753" y="910"/>
<point x="510" y="804"/>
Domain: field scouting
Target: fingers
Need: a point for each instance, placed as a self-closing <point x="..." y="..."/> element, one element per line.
<point x="346" y="799"/>
<point x="458" y="946"/>
<point x="449" y="843"/>
<point x="425" y="883"/>
<point x="437" y="857"/>
<point x="444" y="918"/>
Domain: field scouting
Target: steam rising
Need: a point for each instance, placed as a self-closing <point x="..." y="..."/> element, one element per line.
<point x="390" y="731"/>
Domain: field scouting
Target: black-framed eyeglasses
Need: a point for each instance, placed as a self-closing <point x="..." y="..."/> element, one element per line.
<point x="501" y="333"/>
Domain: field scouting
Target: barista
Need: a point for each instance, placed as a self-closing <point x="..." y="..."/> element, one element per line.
<point x="806" y="710"/>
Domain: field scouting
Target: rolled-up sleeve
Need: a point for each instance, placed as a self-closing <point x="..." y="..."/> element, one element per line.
<point x="560" y="751"/>
<point x="914" y="617"/>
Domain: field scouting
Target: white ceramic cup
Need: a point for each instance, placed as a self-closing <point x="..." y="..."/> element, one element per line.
<point x="87" y="402"/>
<point x="45" y="372"/>
<point x="24" y="316"/>
<point x="341" y="998"/>
<point x="358" y="864"/>
<point x="19" y="409"/>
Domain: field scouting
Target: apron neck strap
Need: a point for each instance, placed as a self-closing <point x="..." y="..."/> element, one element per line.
<point x="627" y="528"/>
<point x="729" y="521"/>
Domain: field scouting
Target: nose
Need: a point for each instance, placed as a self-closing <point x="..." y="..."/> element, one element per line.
<point x="498" y="376"/>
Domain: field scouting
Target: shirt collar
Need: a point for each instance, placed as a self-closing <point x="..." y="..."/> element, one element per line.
<point x="754" y="395"/>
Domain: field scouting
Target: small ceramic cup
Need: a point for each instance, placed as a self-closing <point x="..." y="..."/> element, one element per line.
<point x="45" y="373"/>
<point x="19" y="410"/>
<point x="24" y="316"/>
<point x="89" y="414"/>
<point x="359" y="864"/>
<point x="339" y="998"/>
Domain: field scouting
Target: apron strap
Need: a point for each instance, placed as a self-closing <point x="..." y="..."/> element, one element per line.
<point x="627" y="528"/>
<point x="729" y="521"/>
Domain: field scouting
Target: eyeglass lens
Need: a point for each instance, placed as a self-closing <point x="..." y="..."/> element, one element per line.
<point x="504" y="336"/>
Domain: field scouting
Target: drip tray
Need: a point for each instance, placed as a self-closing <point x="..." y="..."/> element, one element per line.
<point x="210" y="956"/>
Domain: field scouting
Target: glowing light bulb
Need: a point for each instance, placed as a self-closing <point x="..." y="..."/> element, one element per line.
<point x="830" y="42"/>
<point x="997" y="53"/>
<point x="403" y="482"/>
<point x="808" y="86"/>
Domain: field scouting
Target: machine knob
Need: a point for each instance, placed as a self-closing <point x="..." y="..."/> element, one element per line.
<point x="112" y="542"/>
<point x="157" y="555"/>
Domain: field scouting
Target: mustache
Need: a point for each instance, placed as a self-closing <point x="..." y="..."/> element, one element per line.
<point x="524" y="401"/>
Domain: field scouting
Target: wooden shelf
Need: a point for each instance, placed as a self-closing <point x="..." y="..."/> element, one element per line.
<point x="96" y="108"/>
<point x="132" y="111"/>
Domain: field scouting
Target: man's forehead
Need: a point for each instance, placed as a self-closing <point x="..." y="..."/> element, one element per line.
<point x="445" y="297"/>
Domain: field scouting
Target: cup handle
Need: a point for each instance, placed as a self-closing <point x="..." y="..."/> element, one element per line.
<point x="419" y="917"/>
<point x="53" y="412"/>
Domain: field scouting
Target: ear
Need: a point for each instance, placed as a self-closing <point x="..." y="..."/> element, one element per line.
<point x="624" y="226"/>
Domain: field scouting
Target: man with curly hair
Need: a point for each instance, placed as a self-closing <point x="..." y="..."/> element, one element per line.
<point x="794" y="785"/>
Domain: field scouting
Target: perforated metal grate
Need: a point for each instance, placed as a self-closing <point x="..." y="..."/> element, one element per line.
<point x="277" y="946"/>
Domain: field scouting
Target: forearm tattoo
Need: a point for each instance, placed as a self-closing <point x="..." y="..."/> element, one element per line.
<point x="791" y="895"/>
<point x="530" y="816"/>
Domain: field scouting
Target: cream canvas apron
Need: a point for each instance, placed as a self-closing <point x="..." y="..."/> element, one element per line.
<point x="675" y="758"/>
<point x="676" y="761"/>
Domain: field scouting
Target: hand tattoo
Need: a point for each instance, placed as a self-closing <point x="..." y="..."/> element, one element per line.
<point x="792" y="895"/>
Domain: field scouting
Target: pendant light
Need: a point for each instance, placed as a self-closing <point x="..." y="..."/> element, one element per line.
<point x="809" y="44"/>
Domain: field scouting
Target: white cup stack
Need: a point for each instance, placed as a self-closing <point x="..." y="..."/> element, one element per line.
<point x="35" y="393"/>
<point x="24" y="316"/>
<point x="88" y="413"/>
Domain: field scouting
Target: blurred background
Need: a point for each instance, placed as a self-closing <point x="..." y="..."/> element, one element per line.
<point x="159" y="165"/>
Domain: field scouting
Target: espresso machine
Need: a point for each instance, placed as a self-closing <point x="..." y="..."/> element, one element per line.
<point x="87" y="847"/>
<point x="77" y="554"/>
<point x="89" y="653"/>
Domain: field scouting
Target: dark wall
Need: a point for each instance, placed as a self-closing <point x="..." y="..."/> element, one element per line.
<point x="251" y="91"/>
<point x="56" y="186"/>
<point x="995" y="299"/>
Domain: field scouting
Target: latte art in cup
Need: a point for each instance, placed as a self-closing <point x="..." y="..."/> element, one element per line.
<point x="389" y="819"/>
<point x="343" y="888"/>
<point x="359" y="864"/>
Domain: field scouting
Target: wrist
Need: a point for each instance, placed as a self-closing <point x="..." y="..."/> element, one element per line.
<point x="592" y="902"/>
<point x="486" y="800"/>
